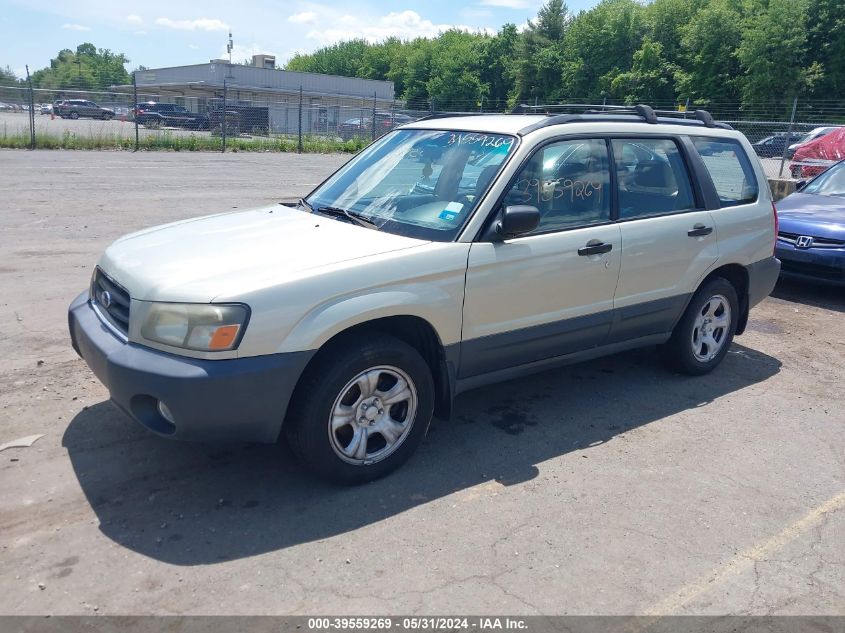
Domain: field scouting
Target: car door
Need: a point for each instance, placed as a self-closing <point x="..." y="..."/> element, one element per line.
<point x="668" y="237"/>
<point x="550" y="292"/>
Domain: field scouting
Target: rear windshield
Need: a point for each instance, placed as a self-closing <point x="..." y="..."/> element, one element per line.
<point x="729" y="169"/>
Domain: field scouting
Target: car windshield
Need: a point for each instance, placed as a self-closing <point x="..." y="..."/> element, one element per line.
<point x="417" y="183"/>
<point x="829" y="183"/>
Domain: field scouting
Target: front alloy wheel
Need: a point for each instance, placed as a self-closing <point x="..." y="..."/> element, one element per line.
<point x="373" y="415"/>
<point x="361" y="408"/>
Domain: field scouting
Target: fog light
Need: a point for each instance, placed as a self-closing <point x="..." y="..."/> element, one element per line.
<point x="165" y="412"/>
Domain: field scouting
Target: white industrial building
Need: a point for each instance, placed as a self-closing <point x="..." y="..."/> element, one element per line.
<point x="327" y="100"/>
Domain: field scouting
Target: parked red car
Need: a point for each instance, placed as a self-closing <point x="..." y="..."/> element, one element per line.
<point x="814" y="157"/>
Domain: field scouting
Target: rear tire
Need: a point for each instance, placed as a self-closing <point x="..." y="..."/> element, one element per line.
<point x="361" y="409"/>
<point x="74" y="115"/>
<point x="702" y="337"/>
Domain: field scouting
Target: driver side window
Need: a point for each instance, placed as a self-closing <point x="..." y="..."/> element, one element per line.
<point x="569" y="182"/>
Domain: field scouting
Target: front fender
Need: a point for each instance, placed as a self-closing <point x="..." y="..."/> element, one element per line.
<point x="432" y="304"/>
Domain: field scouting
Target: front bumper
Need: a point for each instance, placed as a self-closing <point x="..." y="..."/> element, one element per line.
<point x="817" y="264"/>
<point x="241" y="399"/>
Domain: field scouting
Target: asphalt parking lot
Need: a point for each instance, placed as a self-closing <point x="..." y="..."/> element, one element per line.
<point x="612" y="487"/>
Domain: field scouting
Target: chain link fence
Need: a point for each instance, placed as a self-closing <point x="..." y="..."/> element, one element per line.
<point x="236" y="119"/>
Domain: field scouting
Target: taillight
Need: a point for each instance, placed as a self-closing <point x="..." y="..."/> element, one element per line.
<point x="775" y="213"/>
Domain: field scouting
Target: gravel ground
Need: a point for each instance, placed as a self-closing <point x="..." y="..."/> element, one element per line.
<point x="611" y="487"/>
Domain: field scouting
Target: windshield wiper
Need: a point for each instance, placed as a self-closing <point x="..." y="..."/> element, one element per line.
<point x="337" y="212"/>
<point x="307" y="206"/>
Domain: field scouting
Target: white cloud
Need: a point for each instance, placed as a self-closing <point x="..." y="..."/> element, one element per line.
<point x="134" y="19"/>
<point x="200" y="24"/>
<point x="140" y="32"/>
<point x="306" y="17"/>
<point x="403" y="24"/>
<point x="76" y="27"/>
<point x="193" y="47"/>
<point x="507" y="4"/>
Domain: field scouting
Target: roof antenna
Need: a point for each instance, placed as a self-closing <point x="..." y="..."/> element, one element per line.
<point x="230" y="46"/>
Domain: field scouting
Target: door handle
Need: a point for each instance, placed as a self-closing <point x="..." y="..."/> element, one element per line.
<point x="595" y="249"/>
<point x="699" y="230"/>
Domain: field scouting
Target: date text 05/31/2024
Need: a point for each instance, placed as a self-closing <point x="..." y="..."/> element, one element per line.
<point x="421" y="623"/>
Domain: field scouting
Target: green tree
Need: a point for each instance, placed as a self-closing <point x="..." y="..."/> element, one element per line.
<point x="826" y="46"/>
<point x="665" y="21"/>
<point x="89" y="68"/>
<point x="498" y="66"/>
<point x="455" y="71"/>
<point x="345" y="59"/>
<point x="710" y="70"/>
<point x="600" y="45"/>
<point x="650" y="79"/>
<point x="539" y="55"/>
<point x="772" y="53"/>
<point x="8" y="77"/>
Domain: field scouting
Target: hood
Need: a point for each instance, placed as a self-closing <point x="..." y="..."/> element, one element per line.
<point x="233" y="253"/>
<point x="810" y="214"/>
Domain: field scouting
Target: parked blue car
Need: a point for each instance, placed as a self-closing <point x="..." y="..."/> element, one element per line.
<point x="811" y="235"/>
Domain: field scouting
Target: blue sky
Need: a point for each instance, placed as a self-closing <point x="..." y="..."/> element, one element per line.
<point x="159" y="33"/>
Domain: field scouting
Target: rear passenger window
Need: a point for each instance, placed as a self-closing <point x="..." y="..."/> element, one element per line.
<point x="729" y="169"/>
<point x="651" y="177"/>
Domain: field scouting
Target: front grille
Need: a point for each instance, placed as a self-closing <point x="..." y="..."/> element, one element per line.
<point x="111" y="300"/>
<point x="818" y="242"/>
<point x="821" y="271"/>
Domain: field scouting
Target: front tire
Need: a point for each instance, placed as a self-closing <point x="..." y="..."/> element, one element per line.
<point x="361" y="409"/>
<point x="701" y="339"/>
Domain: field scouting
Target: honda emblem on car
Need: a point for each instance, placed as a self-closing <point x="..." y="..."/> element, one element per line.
<point x="804" y="241"/>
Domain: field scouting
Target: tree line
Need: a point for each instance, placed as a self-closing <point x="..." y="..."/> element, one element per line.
<point x="742" y="52"/>
<point x="87" y="68"/>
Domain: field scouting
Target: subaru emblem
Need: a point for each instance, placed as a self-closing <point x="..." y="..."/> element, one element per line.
<point x="804" y="241"/>
<point x="104" y="298"/>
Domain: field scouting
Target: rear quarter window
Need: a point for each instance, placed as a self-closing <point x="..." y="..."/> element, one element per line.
<point x="730" y="170"/>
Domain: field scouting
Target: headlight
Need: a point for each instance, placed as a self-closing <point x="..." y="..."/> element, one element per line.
<point x="196" y="326"/>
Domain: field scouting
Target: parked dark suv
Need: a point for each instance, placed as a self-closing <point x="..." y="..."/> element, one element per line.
<point x="155" y="115"/>
<point x="80" y="108"/>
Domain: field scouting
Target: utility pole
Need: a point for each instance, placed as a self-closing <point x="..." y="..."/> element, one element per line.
<point x="135" y="105"/>
<point x="31" y="110"/>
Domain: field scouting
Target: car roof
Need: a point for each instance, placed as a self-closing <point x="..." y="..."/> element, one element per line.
<point x="523" y="124"/>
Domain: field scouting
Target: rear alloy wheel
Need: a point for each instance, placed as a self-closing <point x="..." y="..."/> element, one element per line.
<point x="703" y="335"/>
<point x="74" y="115"/>
<point x="361" y="408"/>
<point x="710" y="328"/>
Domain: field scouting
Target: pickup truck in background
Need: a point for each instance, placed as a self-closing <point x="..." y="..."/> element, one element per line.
<point x="154" y="115"/>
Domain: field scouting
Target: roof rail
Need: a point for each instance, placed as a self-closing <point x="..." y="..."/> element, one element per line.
<point x="597" y="113"/>
<point x="446" y="115"/>
<point x="605" y="112"/>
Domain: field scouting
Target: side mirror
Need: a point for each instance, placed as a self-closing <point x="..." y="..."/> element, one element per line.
<point x="517" y="220"/>
<point x="800" y="185"/>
